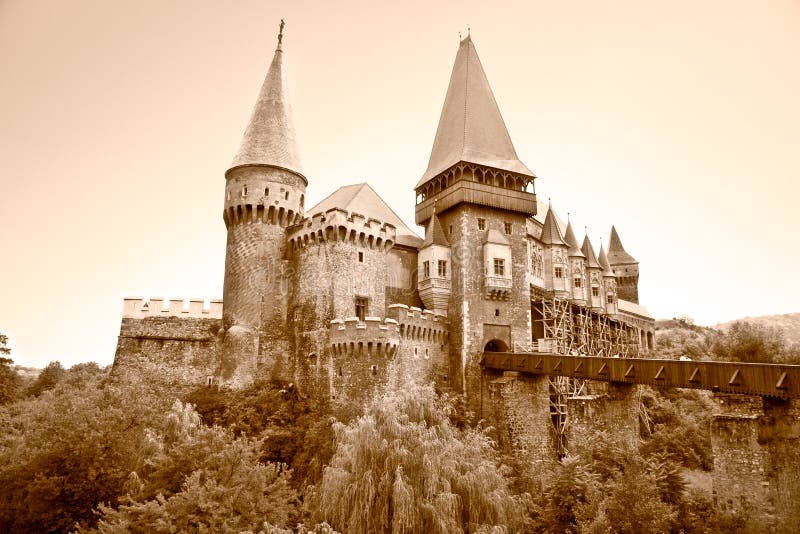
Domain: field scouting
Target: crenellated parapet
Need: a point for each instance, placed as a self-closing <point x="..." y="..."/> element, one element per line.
<point x="420" y="325"/>
<point x="340" y="225"/>
<point x="139" y="308"/>
<point x="260" y="213"/>
<point x="372" y="336"/>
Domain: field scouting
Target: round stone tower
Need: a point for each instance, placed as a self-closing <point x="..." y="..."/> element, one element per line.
<point x="264" y="194"/>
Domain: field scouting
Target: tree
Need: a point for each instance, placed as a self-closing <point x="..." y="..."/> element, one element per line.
<point x="9" y="379"/>
<point x="48" y="378"/>
<point x="202" y="479"/>
<point x="68" y="450"/>
<point x="402" y="467"/>
<point x="751" y="342"/>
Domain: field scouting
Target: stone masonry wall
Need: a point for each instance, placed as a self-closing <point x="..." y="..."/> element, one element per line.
<point x="176" y="352"/>
<point x="616" y="412"/>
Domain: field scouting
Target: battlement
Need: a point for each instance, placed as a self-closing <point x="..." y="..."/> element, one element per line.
<point x="248" y="213"/>
<point x="421" y="325"/>
<point x="138" y="308"/>
<point x="368" y="337"/>
<point x="340" y="225"/>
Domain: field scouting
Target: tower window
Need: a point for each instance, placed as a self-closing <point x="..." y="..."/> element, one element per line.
<point x="497" y="312"/>
<point x="499" y="267"/>
<point x="362" y="304"/>
<point x="481" y="224"/>
<point x="595" y="291"/>
<point x="426" y="269"/>
<point x="442" y="269"/>
<point x="361" y="257"/>
<point x="451" y="230"/>
<point x="578" y="282"/>
<point x="228" y="195"/>
<point x="507" y="227"/>
<point x="302" y="200"/>
<point x="559" y="272"/>
<point x="287" y="195"/>
<point x="266" y="191"/>
<point x="244" y="191"/>
<point x="374" y="369"/>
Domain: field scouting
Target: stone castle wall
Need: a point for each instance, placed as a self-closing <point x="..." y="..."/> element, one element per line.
<point x="177" y="352"/>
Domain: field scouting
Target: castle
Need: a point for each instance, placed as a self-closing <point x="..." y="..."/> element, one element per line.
<point x="343" y="297"/>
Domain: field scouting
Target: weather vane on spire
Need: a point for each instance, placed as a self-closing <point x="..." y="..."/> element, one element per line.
<point x="280" y="32"/>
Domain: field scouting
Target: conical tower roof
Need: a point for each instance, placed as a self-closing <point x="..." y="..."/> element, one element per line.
<point x="603" y="261"/>
<point x="435" y="234"/>
<point x="616" y="252"/>
<point x="551" y="235"/>
<point x="588" y="251"/>
<point x="471" y="128"/>
<point x="270" y="137"/>
<point x="572" y="242"/>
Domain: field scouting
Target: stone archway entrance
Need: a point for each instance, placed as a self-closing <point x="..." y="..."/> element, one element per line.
<point x="495" y="345"/>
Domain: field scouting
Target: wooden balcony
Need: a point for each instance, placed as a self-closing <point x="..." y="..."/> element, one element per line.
<point x="476" y="193"/>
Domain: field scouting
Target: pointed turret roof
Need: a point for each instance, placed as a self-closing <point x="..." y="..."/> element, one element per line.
<point x="603" y="261"/>
<point x="551" y="235"/>
<point x="616" y="252"/>
<point x="362" y="199"/>
<point x="471" y="128"/>
<point x="270" y="137"/>
<point x="588" y="251"/>
<point x="435" y="234"/>
<point x="572" y="242"/>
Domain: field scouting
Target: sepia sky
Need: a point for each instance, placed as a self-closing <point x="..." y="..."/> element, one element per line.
<point x="678" y="121"/>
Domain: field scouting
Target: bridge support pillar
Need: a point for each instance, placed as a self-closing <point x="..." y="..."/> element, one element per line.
<point x="613" y="408"/>
<point x="757" y="460"/>
<point x="519" y="410"/>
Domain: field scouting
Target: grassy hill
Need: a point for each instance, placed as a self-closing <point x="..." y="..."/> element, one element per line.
<point x="788" y="322"/>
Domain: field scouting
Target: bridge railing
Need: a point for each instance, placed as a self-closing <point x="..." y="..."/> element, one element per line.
<point x="768" y="380"/>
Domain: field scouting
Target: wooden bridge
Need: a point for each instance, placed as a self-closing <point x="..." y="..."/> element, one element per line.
<point x="761" y="379"/>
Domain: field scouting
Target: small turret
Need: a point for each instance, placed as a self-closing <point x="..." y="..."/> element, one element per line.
<point x="556" y="261"/>
<point x="625" y="268"/>
<point x="434" y="267"/>
<point x="577" y="266"/>
<point x="594" y="276"/>
<point x="609" y="283"/>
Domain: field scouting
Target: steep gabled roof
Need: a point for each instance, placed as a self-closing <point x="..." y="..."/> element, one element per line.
<point x="572" y="243"/>
<point x="270" y="137"/>
<point x="435" y="234"/>
<point x="551" y="235"/>
<point x="362" y="199"/>
<point x="588" y="251"/>
<point x="470" y="126"/>
<point x="616" y="252"/>
<point x="603" y="261"/>
<point x="494" y="236"/>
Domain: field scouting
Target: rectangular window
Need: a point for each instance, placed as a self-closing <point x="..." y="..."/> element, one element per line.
<point x="499" y="267"/>
<point x="559" y="271"/>
<point x="610" y="299"/>
<point x="362" y="304"/>
<point x="442" y="269"/>
<point x="595" y="291"/>
<point x="508" y="228"/>
<point x="481" y="224"/>
<point x="426" y="269"/>
<point x="361" y="257"/>
<point x="578" y="282"/>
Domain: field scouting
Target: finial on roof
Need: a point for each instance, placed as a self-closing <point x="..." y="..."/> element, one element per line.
<point x="469" y="31"/>
<point x="280" y="33"/>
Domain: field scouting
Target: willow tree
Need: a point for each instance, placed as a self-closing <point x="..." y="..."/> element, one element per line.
<point x="403" y="467"/>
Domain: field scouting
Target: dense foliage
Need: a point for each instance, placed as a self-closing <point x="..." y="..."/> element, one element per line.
<point x="403" y="467"/>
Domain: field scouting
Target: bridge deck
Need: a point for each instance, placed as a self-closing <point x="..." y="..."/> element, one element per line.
<point x="766" y="380"/>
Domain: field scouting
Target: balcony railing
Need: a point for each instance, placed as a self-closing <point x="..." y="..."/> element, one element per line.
<point x="434" y="283"/>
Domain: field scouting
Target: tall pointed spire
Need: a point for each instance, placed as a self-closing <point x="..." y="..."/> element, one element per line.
<point x="588" y="251"/>
<point x="551" y="235"/>
<point x="471" y="128"/>
<point x="435" y="233"/>
<point x="270" y="138"/>
<point x="572" y="242"/>
<point x="616" y="252"/>
<point x="603" y="261"/>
